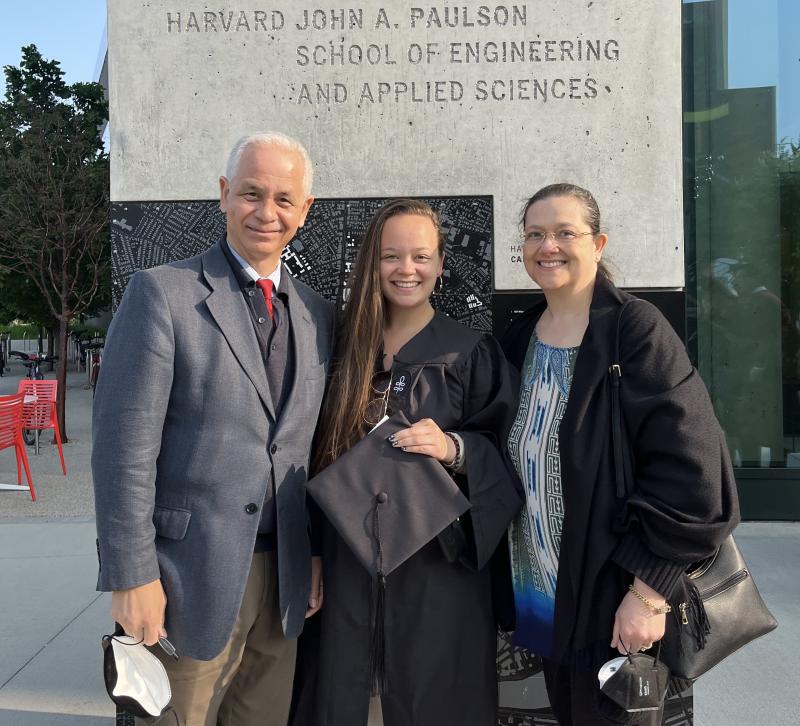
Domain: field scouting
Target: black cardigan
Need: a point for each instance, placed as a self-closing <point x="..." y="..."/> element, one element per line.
<point x="684" y="501"/>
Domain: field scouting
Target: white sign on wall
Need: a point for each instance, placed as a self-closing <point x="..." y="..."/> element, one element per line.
<point x="396" y="98"/>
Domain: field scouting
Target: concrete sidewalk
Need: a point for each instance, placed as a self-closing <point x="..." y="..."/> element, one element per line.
<point x="52" y="618"/>
<point x="52" y="621"/>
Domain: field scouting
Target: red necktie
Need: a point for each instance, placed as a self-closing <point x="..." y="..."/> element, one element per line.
<point x="266" y="285"/>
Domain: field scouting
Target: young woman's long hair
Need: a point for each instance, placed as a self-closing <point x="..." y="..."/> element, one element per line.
<point x="359" y="338"/>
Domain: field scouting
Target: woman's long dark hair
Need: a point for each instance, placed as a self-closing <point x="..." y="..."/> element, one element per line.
<point x="359" y="338"/>
<point x="585" y="197"/>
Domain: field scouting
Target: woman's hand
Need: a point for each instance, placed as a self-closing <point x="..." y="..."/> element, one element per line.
<point x="425" y="437"/>
<point x="636" y="626"/>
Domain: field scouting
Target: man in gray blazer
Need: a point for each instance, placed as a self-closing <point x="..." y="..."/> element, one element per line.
<point x="213" y="375"/>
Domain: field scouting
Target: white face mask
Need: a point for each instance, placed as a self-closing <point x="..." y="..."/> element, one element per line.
<point x="135" y="679"/>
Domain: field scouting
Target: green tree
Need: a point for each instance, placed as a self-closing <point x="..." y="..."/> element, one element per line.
<point x="54" y="192"/>
<point x="21" y="300"/>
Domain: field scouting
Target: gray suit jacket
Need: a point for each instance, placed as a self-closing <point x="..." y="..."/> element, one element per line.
<point x="186" y="441"/>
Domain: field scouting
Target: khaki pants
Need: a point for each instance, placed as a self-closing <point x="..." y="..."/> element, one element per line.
<point x="250" y="682"/>
<point x="375" y="717"/>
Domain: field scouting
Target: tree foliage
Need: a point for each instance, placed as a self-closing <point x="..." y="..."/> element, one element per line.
<point x="54" y="191"/>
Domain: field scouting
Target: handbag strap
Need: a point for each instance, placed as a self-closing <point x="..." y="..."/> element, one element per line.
<point x="617" y="429"/>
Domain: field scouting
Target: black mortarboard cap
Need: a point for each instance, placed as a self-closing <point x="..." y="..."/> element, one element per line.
<point x="386" y="504"/>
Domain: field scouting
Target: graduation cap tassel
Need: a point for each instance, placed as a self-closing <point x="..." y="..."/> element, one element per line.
<point x="377" y="644"/>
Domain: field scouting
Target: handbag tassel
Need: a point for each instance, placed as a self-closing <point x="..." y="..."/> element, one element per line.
<point x="701" y="625"/>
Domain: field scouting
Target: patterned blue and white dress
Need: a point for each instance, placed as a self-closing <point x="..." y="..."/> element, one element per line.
<point x="535" y="534"/>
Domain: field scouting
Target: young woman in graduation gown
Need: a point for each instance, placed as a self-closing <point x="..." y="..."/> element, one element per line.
<point x="395" y="352"/>
<point x="592" y="566"/>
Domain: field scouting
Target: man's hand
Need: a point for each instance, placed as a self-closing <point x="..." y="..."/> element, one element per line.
<point x="315" y="596"/>
<point x="140" y="611"/>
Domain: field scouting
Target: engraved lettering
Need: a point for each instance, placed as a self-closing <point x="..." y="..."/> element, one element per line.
<point x="461" y="16"/>
<point x="337" y="19"/>
<point x="333" y="19"/>
<point x="531" y="51"/>
<point x="324" y="93"/>
<point x="242" y="22"/>
<point x="338" y="54"/>
<point x="612" y="50"/>
<point x="382" y="21"/>
<point x="226" y="26"/>
<point x="366" y="94"/>
<point x="416" y="92"/>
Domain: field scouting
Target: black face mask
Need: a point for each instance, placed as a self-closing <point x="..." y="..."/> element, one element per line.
<point x="635" y="682"/>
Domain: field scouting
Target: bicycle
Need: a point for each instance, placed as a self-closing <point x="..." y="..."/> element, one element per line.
<point x="32" y="362"/>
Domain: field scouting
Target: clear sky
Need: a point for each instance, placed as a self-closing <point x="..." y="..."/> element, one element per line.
<point x="69" y="31"/>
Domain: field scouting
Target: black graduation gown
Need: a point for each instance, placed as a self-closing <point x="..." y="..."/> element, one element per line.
<point x="440" y="631"/>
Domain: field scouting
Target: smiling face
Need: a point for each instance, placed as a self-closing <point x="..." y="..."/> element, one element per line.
<point x="562" y="251"/>
<point x="410" y="261"/>
<point x="264" y="203"/>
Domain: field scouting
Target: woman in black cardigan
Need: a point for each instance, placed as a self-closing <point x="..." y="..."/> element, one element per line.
<point x="592" y="573"/>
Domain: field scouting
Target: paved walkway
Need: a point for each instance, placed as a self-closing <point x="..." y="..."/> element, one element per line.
<point x="52" y="618"/>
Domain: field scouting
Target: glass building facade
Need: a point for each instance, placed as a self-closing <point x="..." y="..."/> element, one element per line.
<point x="741" y="91"/>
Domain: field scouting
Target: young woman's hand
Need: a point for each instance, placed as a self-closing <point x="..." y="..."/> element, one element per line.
<point x="636" y="626"/>
<point x="425" y="437"/>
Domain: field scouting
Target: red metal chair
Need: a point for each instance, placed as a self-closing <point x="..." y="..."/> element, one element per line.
<point x="11" y="435"/>
<point x="40" y="410"/>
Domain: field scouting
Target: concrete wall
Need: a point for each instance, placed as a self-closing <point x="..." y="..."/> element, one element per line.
<point x="432" y="100"/>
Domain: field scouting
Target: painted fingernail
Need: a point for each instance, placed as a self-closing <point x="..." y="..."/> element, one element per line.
<point x="390" y="437"/>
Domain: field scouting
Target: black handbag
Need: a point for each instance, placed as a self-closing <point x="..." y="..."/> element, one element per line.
<point x="717" y="610"/>
<point x="717" y="607"/>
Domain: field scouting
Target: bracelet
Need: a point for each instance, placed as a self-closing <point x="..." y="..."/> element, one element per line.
<point x="656" y="609"/>
<point x="458" y="459"/>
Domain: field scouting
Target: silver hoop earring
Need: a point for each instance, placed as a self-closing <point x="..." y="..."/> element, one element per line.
<point x="439" y="284"/>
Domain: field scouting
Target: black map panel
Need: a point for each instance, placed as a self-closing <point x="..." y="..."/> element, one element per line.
<point x="146" y="234"/>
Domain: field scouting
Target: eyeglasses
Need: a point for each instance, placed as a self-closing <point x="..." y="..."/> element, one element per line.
<point x="562" y="237"/>
<point x="378" y="407"/>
